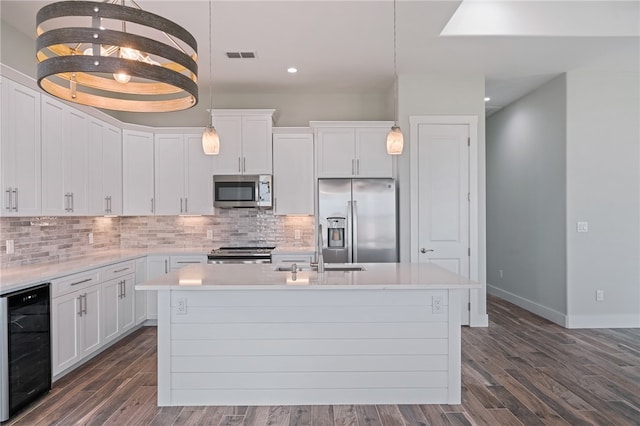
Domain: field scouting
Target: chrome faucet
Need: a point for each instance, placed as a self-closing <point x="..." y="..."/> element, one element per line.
<point x="320" y="258"/>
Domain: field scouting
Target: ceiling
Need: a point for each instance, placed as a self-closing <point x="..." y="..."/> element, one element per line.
<point x="348" y="45"/>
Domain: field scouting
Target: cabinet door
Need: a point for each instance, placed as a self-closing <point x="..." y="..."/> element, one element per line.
<point x="335" y="152"/>
<point x="20" y="151"/>
<point x="90" y="322"/>
<point x="54" y="199"/>
<point x="169" y="174"/>
<point x="228" y="161"/>
<point x="156" y="266"/>
<point x="137" y="173"/>
<point x="97" y="204"/>
<point x="293" y="183"/>
<point x="65" y="331"/>
<point x="256" y="145"/>
<point x="75" y="161"/>
<point x="199" y="177"/>
<point x="126" y="313"/>
<point x="111" y="293"/>
<point x="372" y="159"/>
<point x="112" y="169"/>
<point x="141" y="296"/>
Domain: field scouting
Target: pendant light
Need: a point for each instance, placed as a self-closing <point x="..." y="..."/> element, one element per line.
<point x="395" y="140"/>
<point x="210" y="138"/>
<point x="130" y="68"/>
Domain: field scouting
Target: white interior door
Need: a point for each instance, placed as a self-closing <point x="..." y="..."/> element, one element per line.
<point x="443" y="199"/>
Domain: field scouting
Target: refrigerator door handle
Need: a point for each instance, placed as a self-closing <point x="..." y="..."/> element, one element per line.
<point x="349" y="234"/>
<point x="354" y="214"/>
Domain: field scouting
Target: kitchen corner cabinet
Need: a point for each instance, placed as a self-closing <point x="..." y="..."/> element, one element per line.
<point x="345" y="150"/>
<point x="119" y="299"/>
<point x="65" y="160"/>
<point x="20" y="150"/>
<point x="245" y="141"/>
<point x="105" y="168"/>
<point x="293" y="179"/>
<point x="137" y="174"/>
<point x="76" y="305"/>
<point x="183" y="175"/>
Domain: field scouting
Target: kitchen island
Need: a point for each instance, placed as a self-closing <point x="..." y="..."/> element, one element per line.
<point x="253" y="335"/>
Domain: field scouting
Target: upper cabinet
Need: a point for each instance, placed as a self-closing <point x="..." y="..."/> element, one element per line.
<point x="293" y="182"/>
<point x="105" y="168"/>
<point x="245" y="141"/>
<point x="183" y="175"/>
<point x="137" y="174"/>
<point x="20" y="151"/>
<point x="352" y="149"/>
<point x="65" y="159"/>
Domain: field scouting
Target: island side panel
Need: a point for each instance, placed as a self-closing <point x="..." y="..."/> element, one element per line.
<point x="164" y="348"/>
<point x="308" y="346"/>
<point x="455" y="347"/>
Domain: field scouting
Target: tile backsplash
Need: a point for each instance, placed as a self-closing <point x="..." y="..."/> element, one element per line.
<point x="51" y="239"/>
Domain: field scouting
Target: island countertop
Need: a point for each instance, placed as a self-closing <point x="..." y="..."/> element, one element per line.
<point x="265" y="276"/>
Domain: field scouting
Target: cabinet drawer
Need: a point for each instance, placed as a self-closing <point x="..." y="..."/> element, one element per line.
<point x="178" y="262"/>
<point x="118" y="270"/>
<point x="71" y="283"/>
<point x="291" y="258"/>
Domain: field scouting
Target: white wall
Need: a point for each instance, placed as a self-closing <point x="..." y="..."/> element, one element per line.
<point x="603" y="188"/>
<point x="441" y="94"/>
<point x="526" y="191"/>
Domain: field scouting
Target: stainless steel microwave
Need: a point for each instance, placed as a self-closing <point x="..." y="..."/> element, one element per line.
<point x="242" y="191"/>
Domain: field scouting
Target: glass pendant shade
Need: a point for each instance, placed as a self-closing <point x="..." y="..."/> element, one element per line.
<point x="395" y="141"/>
<point x="210" y="141"/>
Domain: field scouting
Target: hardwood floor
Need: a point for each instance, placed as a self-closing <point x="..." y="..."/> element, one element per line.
<point x="522" y="369"/>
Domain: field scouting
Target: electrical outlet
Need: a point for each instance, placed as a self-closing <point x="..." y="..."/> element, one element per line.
<point x="583" y="226"/>
<point x="599" y="295"/>
<point x="437" y="304"/>
<point x="182" y="306"/>
<point x="10" y="247"/>
<point x="296" y="234"/>
<point x="90" y="237"/>
<point x="209" y="234"/>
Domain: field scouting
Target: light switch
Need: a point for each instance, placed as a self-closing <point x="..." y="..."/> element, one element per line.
<point x="583" y="226"/>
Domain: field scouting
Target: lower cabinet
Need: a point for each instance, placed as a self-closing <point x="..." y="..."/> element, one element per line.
<point x="76" y="319"/>
<point x="156" y="266"/>
<point x="119" y="306"/>
<point x="301" y="258"/>
<point x="141" y="296"/>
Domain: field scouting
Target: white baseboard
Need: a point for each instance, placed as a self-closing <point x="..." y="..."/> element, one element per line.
<point x="603" y="321"/>
<point x="479" y="320"/>
<point x="538" y="309"/>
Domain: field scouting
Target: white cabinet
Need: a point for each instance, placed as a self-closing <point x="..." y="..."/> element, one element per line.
<point x="141" y="296"/>
<point x="75" y="318"/>
<point x="20" y="149"/>
<point x="352" y="149"/>
<point x="293" y="177"/>
<point x="105" y="168"/>
<point x="156" y="266"/>
<point x="65" y="160"/>
<point x="183" y="175"/>
<point x="177" y="262"/>
<point x="137" y="173"/>
<point x="293" y="257"/>
<point x="119" y="306"/>
<point x="245" y="141"/>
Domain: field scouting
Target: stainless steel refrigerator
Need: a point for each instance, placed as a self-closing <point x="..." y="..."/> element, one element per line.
<point x="359" y="220"/>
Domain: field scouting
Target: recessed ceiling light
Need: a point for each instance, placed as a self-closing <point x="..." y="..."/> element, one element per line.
<point x="292" y="70"/>
<point x="487" y="99"/>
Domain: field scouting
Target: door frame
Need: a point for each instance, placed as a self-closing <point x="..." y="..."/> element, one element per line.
<point x="474" y="224"/>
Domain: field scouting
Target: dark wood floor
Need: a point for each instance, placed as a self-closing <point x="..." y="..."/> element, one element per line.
<point x="520" y="370"/>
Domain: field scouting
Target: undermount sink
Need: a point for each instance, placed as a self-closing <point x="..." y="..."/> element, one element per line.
<point x="327" y="267"/>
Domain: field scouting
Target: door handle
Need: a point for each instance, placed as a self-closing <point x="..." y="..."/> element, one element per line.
<point x="424" y="250"/>
<point x="355" y="230"/>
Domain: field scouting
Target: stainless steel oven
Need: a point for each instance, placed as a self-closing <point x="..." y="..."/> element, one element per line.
<point x="240" y="255"/>
<point x="25" y="348"/>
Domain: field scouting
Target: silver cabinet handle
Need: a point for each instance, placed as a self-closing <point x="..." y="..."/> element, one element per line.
<point x="15" y="199"/>
<point x="180" y="205"/>
<point x="239" y="168"/>
<point x="84" y="297"/>
<point x="124" y="289"/>
<point x="109" y="203"/>
<point x="188" y="261"/>
<point x="79" y="299"/>
<point x="86" y="280"/>
<point x="120" y="270"/>
<point x="244" y="164"/>
<point x="186" y="208"/>
<point x="353" y="166"/>
<point x="72" y="202"/>
<point x="153" y="205"/>
<point x="8" y="192"/>
<point x="166" y="266"/>
<point x="358" y="167"/>
<point x="355" y="230"/>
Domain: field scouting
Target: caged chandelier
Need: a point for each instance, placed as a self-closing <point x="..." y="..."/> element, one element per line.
<point x="108" y="55"/>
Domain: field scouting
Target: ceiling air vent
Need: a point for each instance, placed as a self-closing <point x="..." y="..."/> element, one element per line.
<point x="241" y="55"/>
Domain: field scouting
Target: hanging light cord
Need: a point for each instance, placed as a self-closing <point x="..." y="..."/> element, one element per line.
<point x="395" y="69"/>
<point x="210" y="66"/>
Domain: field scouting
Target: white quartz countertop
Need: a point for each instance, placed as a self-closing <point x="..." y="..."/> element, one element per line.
<point x="29" y="275"/>
<point x="265" y="276"/>
<point x="295" y="250"/>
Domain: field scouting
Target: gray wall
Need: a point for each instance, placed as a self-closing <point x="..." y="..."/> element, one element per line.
<point x="526" y="183"/>
<point x="603" y="188"/>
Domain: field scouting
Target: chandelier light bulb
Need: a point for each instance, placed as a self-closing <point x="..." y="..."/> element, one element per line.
<point x="121" y="77"/>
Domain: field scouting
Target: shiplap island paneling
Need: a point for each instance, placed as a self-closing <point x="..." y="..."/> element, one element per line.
<point x="331" y="338"/>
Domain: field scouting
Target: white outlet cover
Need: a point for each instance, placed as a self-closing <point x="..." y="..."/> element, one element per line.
<point x="583" y="226"/>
